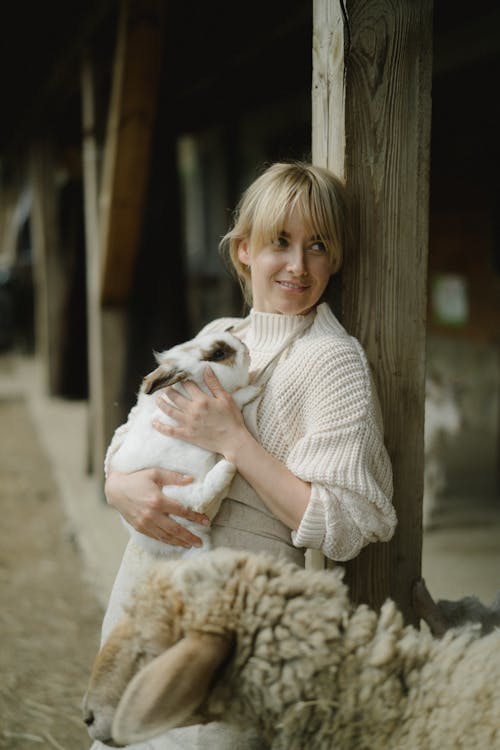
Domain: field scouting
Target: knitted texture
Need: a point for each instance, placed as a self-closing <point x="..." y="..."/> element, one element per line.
<point x="319" y="415"/>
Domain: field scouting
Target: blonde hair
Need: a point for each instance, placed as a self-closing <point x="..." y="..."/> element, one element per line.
<point x="316" y="193"/>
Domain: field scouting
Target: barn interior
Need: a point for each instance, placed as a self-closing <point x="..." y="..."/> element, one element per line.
<point x="234" y="93"/>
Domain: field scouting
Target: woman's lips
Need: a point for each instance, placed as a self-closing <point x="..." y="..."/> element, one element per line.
<point x="291" y="286"/>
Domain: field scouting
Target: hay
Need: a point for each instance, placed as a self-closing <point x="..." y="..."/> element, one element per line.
<point x="49" y="618"/>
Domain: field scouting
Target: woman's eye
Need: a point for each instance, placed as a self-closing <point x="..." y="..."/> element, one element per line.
<point x="280" y="242"/>
<point x="318" y="247"/>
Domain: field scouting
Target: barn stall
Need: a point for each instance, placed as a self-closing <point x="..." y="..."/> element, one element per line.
<point x="131" y="139"/>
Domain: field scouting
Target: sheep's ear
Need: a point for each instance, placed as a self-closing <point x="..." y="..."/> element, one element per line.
<point x="167" y="691"/>
<point x="159" y="378"/>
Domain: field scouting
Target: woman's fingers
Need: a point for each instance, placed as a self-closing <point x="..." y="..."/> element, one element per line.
<point x="172" y="395"/>
<point x="172" y="507"/>
<point x="169" y="531"/>
<point x="213" y="383"/>
<point x="164" y="476"/>
<point x="140" y="499"/>
<point x="154" y="521"/>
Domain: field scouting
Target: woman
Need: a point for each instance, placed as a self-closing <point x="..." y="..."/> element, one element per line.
<point x="312" y="467"/>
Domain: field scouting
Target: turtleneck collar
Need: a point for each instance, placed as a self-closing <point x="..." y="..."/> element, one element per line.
<point x="268" y="330"/>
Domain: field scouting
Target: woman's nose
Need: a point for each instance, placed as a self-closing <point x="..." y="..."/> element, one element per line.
<point x="297" y="261"/>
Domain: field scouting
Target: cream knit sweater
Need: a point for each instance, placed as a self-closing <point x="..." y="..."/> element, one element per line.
<point x="319" y="415"/>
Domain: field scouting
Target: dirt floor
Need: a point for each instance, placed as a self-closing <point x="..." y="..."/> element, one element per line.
<point x="49" y="617"/>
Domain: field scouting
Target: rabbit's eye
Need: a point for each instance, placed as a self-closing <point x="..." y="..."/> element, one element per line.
<point x="218" y="354"/>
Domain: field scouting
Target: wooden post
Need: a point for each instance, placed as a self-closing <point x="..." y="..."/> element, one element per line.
<point x="126" y="168"/>
<point x="96" y="440"/>
<point x="371" y="125"/>
<point x="113" y="213"/>
<point x="131" y="120"/>
<point x="48" y="274"/>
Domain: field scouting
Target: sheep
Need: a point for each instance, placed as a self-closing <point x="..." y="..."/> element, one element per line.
<point x="445" y="614"/>
<point x="252" y="640"/>
<point x="143" y="446"/>
<point x="471" y="610"/>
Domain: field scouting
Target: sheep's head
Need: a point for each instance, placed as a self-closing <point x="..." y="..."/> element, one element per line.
<point x="224" y="353"/>
<point x="188" y="639"/>
<point x="126" y="703"/>
<point x="149" y="626"/>
<point x="114" y="667"/>
<point x="153" y="672"/>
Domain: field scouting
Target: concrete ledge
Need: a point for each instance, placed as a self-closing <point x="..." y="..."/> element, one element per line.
<point x="61" y="426"/>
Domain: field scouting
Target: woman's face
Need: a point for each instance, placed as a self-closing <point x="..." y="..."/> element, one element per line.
<point x="289" y="275"/>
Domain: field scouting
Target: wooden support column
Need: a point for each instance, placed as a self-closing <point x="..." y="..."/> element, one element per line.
<point x="48" y="272"/>
<point x="127" y="154"/>
<point x="124" y="185"/>
<point x="371" y="124"/>
<point x="96" y="439"/>
<point x="114" y="204"/>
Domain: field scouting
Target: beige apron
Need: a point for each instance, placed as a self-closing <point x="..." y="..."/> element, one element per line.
<point x="243" y="522"/>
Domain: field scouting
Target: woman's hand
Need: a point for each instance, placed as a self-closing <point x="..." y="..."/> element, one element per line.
<point x="212" y="421"/>
<point x="139" y="498"/>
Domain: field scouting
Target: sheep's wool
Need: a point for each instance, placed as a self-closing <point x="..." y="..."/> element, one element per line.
<point x="309" y="670"/>
<point x="319" y="415"/>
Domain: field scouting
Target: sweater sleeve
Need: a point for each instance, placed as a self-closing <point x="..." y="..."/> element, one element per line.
<point x="350" y="504"/>
<point x="342" y="454"/>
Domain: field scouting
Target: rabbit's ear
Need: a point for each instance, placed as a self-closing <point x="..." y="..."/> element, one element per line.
<point x="167" y="691"/>
<point x="161" y="378"/>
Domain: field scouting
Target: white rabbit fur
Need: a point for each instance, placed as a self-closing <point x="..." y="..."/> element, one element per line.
<point x="145" y="447"/>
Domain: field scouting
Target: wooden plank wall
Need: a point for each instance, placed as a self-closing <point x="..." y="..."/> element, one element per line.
<point x="371" y="124"/>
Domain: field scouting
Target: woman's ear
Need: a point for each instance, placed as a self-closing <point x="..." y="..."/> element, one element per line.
<point x="244" y="252"/>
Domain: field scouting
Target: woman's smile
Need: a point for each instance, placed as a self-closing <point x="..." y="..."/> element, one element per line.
<point x="292" y="286"/>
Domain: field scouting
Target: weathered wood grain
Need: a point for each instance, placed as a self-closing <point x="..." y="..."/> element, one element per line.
<point x="133" y="104"/>
<point x="383" y="285"/>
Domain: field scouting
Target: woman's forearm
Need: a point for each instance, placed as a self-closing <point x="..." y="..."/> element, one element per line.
<point x="214" y="422"/>
<point x="284" y="494"/>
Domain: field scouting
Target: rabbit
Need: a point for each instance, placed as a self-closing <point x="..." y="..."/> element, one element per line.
<point x="143" y="446"/>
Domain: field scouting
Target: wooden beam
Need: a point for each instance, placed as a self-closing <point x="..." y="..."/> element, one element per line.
<point x="328" y="86"/>
<point x="96" y="439"/>
<point x="379" y="95"/>
<point x="48" y="272"/>
<point x="133" y="104"/>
